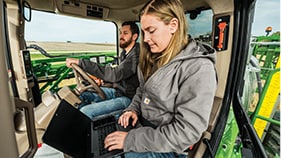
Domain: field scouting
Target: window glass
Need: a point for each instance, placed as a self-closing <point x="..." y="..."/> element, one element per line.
<point x="200" y="28"/>
<point x="264" y="52"/>
<point x="261" y="92"/>
<point x="51" y="38"/>
<point x="64" y="34"/>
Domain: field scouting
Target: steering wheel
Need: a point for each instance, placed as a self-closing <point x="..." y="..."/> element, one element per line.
<point x="81" y="78"/>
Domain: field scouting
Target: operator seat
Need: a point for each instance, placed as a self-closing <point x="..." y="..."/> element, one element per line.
<point x="199" y="148"/>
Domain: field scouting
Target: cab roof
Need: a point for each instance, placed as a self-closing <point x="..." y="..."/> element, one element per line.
<point x="119" y="10"/>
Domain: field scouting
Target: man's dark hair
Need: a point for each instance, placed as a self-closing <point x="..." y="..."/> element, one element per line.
<point x="133" y="26"/>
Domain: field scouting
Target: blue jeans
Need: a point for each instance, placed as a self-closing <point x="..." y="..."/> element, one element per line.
<point x="153" y="155"/>
<point x="94" y="106"/>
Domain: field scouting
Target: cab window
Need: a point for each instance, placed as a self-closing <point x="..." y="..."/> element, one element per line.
<point x="51" y="38"/>
<point x="45" y="28"/>
<point x="200" y="25"/>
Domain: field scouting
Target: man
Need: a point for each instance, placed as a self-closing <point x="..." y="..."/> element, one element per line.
<point x="124" y="76"/>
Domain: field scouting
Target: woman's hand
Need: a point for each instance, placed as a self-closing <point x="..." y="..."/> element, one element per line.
<point x="125" y="117"/>
<point x="115" y="140"/>
<point x="69" y="61"/>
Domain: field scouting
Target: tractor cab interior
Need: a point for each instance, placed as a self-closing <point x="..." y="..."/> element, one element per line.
<point x="220" y="33"/>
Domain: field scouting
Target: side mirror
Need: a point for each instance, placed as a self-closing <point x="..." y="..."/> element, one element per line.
<point x="26" y="11"/>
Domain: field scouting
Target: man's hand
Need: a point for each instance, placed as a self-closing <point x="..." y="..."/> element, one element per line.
<point x="115" y="140"/>
<point x="69" y="61"/>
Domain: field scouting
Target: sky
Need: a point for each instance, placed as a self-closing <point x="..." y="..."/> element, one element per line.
<point x="267" y="13"/>
<point x="42" y="28"/>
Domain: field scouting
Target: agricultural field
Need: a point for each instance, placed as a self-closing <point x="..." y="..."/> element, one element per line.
<point x="56" y="48"/>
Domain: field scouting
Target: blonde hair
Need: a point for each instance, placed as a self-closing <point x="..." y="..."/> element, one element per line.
<point x="165" y="10"/>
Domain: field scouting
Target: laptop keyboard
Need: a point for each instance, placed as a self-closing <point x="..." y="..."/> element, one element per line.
<point x="103" y="132"/>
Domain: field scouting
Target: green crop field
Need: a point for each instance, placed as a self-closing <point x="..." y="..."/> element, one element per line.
<point x="70" y="48"/>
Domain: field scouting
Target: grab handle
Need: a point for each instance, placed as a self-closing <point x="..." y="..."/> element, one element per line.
<point x="30" y="126"/>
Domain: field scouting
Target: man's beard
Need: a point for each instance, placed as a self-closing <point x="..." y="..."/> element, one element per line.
<point x="126" y="43"/>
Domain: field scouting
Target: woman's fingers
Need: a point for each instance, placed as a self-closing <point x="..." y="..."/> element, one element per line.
<point x="134" y="121"/>
<point x="115" y="140"/>
<point x="135" y="118"/>
<point x="124" y="119"/>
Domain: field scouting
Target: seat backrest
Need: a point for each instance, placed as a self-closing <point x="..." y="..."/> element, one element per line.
<point x="200" y="147"/>
<point x="214" y="113"/>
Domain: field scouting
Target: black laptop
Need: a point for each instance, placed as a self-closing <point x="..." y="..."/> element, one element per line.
<point x="76" y="135"/>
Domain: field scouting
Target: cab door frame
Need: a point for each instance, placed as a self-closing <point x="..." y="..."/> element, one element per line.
<point x="252" y="146"/>
<point x="8" y="146"/>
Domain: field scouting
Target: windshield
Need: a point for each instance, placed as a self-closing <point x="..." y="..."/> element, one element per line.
<point x="64" y="34"/>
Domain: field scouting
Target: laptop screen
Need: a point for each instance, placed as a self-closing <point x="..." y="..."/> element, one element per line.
<point x="69" y="131"/>
<point x="73" y="133"/>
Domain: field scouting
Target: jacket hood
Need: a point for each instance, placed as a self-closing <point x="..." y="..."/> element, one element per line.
<point x="196" y="49"/>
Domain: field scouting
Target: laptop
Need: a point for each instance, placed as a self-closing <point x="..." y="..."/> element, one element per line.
<point x="76" y="135"/>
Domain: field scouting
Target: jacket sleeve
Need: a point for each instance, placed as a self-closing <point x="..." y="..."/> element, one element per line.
<point x="124" y="70"/>
<point x="193" y="104"/>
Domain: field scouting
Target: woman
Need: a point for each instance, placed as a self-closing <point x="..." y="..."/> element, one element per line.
<point x="177" y="77"/>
